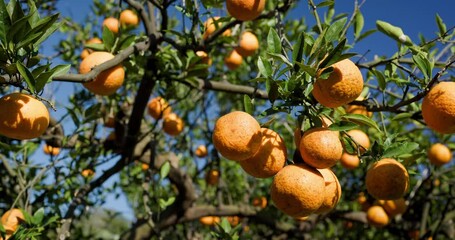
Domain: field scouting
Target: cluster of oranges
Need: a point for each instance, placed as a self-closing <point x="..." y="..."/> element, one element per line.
<point x="159" y="108"/>
<point x="11" y="220"/>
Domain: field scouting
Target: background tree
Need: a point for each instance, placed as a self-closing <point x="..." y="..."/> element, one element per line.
<point x="190" y="63"/>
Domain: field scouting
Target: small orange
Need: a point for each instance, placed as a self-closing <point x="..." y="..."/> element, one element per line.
<point x="209" y="220"/>
<point x="349" y="161"/>
<point x="50" y="150"/>
<point x="233" y="60"/>
<point x="129" y="18"/>
<point x="201" y="151"/>
<point x="87" y="173"/>
<point x="439" y="154"/>
<point x="145" y="166"/>
<point x="395" y="207"/>
<point x="387" y="179"/>
<point x="248" y="44"/>
<point x="22" y="116"/>
<point x="173" y="124"/>
<point x="205" y="59"/>
<point x="344" y="85"/>
<point x="108" y="81"/>
<point x="438" y="108"/>
<point x="158" y="107"/>
<point x="245" y="10"/>
<point x="332" y="193"/>
<point x="321" y="147"/>
<point x="212" y="177"/>
<point x="361" y="138"/>
<point x="88" y="51"/>
<point x="112" y="24"/>
<point x="269" y="159"/>
<point x="358" y="109"/>
<point x="260" y="202"/>
<point x="211" y="25"/>
<point x="11" y="220"/>
<point x="233" y="220"/>
<point x="377" y="216"/>
<point x="237" y="136"/>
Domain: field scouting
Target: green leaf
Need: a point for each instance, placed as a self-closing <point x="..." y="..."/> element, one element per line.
<point x="365" y="34"/>
<point x="47" y="33"/>
<point x="164" y="170"/>
<point x="18" y="29"/>
<point x="38" y="216"/>
<point x="348" y="145"/>
<point x="272" y="89"/>
<point x="360" y="119"/>
<point x="334" y="30"/>
<point x="326" y="3"/>
<point x="297" y="50"/>
<point x="280" y="57"/>
<point x="247" y="104"/>
<point x="334" y="55"/>
<point x="108" y="38"/>
<point x="400" y="148"/>
<point x="442" y="27"/>
<point x="308" y="69"/>
<point x="27" y="75"/>
<point x="128" y="41"/>
<point x="265" y="68"/>
<point x="401" y="116"/>
<point x="318" y="43"/>
<point x="46" y="77"/>
<point x="343" y="126"/>
<point x="5" y="22"/>
<point x="423" y="64"/>
<point x="393" y="32"/>
<point x="28" y="39"/>
<point x="225" y="225"/>
<point x="273" y="42"/>
<point x="96" y="46"/>
<point x="358" y="23"/>
<point x="381" y="79"/>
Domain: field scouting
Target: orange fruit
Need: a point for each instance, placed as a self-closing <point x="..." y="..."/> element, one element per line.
<point x="326" y="122"/>
<point x="361" y="138"/>
<point x="260" y="202"/>
<point x="210" y="27"/>
<point x="49" y="150"/>
<point x="438" y="108"/>
<point x="112" y="24"/>
<point x="394" y="207"/>
<point x="22" y="116"/>
<point x="201" y="151"/>
<point x="108" y="81"/>
<point x="233" y="60"/>
<point x="11" y="220"/>
<point x="158" y="107"/>
<point x="233" y="220"/>
<point x="87" y="51"/>
<point x="87" y="173"/>
<point x="248" y="44"/>
<point x="332" y="193"/>
<point x="439" y="154"/>
<point x="145" y="166"/>
<point x="377" y="216"/>
<point x="237" y="136"/>
<point x="269" y="159"/>
<point x="344" y="85"/>
<point x="387" y="179"/>
<point x="129" y="18"/>
<point x="320" y="147"/>
<point x="173" y="124"/>
<point x="205" y="59"/>
<point x="349" y="161"/>
<point x="245" y="10"/>
<point x="209" y="220"/>
<point x="298" y="190"/>
<point x="212" y="177"/>
<point x="358" y="109"/>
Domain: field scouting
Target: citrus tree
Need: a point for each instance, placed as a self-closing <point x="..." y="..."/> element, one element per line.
<point x="224" y="120"/>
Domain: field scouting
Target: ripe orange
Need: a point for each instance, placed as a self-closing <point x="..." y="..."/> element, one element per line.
<point x="233" y="60"/>
<point x="439" y="154"/>
<point x="205" y="59"/>
<point x="173" y="124"/>
<point x="377" y="217"/>
<point x="394" y="207"/>
<point x="320" y="147"/>
<point x="344" y="85"/>
<point x="269" y="159"/>
<point x="363" y="201"/>
<point x="237" y="136"/>
<point x="248" y="44"/>
<point x="87" y="51"/>
<point x="210" y="27"/>
<point x="158" y="107"/>
<point x="209" y="220"/>
<point x="332" y="193"/>
<point x="22" y="116"/>
<point x="87" y="173"/>
<point x="108" y="81"/>
<point x="233" y="220"/>
<point x="326" y="122"/>
<point x="298" y="190"/>
<point x="349" y="161"/>
<point x="201" y="151"/>
<point x="245" y="10"/>
<point x="49" y="150"/>
<point x="260" y="202"/>
<point x="212" y="177"/>
<point x="129" y="18"/>
<point x="145" y="166"/>
<point x="438" y="108"/>
<point x="11" y="220"/>
<point x="387" y="179"/>
<point x="112" y="24"/>
<point x="358" y="109"/>
<point x="361" y="138"/>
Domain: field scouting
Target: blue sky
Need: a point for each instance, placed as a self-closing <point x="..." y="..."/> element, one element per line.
<point x="414" y="16"/>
